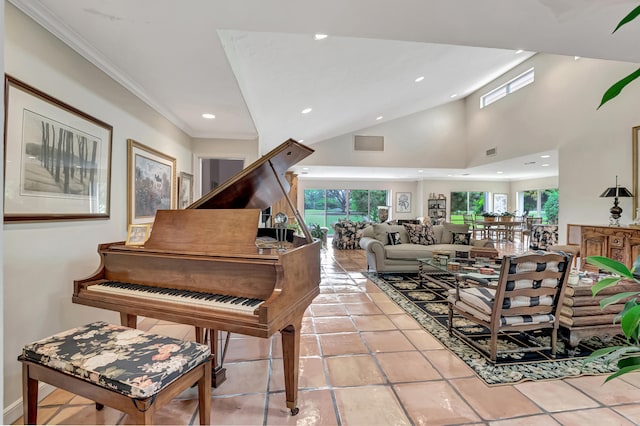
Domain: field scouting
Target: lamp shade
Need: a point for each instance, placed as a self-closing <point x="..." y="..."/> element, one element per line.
<point x="616" y="191"/>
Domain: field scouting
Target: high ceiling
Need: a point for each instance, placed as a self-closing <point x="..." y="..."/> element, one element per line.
<point x="256" y="65"/>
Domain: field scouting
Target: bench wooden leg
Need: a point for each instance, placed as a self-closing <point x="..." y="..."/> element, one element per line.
<point x="204" y="395"/>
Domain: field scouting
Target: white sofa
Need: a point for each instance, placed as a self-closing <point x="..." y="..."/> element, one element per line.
<point x="384" y="257"/>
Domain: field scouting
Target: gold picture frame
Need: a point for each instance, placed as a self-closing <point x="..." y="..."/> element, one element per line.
<point x="57" y="158"/>
<point x="137" y="235"/>
<point x="151" y="183"/>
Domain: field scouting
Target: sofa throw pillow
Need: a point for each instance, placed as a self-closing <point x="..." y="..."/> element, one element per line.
<point x="420" y="234"/>
<point x="461" y="238"/>
<point x="394" y="238"/>
<point x="450" y="228"/>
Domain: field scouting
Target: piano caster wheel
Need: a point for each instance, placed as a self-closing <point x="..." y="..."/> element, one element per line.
<point x="295" y="411"/>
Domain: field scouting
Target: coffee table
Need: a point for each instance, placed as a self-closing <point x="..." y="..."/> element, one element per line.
<point x="469" y="271"/>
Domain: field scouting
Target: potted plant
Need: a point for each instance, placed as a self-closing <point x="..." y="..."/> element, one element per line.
<point x="507" y="216"/>
<point x="319" y="232"/>
<point x="489" y="216"/>
<point x="627" y="357"/>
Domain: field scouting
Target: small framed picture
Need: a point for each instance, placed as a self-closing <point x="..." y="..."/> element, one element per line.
<point x="403" y="202"/>
<point x="185" y="190"/>
<point x="138" y="234"/>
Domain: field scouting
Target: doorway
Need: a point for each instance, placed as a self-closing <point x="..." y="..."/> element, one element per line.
<point x="215" y="171"/>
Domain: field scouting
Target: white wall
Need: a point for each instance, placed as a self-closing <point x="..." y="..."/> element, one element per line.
<point x="41" y="260"/>
<point x="2" y="209"/>
<point x="559" y="111"/>
<point x="431" y="138"/>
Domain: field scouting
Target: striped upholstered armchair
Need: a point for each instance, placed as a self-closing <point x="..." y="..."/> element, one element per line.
<point x="526" y="298"/>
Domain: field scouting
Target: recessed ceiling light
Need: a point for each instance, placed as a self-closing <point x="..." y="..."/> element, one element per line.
<point x="419" y="79"/>
<point x="306" y="110"/>
<point x="449" y="175"/>
<point x="379" y="117"/>
<point x="499" y="173"/>
<point x="208" y="116"/>
<point x="545" y="156"/>
<point x="320" y="36"/>
<point x="575" y="58"/>
<point x="301" y="140"/>
<point x="544" y="165"/>
<point x="420" y="171"/>
<point x="305" y="168"/>
<point x="454" y="95"/>
<point x="519" y="51"/>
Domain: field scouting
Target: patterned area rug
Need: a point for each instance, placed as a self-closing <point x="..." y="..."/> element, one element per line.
<point x="426" y="303"/>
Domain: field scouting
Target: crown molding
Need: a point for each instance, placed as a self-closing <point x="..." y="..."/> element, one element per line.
<point x="45" y="18"/>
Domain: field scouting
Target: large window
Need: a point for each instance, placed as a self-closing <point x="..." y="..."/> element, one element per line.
<point x="325" y="206"/>
<point x="467" y="202"/>
<point x="540" y="203"/>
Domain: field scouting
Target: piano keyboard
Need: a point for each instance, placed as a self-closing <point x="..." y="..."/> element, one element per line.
<point x="184" y="297"/>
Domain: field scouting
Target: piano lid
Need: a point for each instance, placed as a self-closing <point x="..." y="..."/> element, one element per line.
<point x="258" y="186"/>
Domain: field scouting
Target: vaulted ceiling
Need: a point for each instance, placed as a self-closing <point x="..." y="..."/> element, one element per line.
<point x="255" y="64"/>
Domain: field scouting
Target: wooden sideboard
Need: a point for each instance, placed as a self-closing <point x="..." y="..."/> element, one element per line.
<point x="616" y="242"/>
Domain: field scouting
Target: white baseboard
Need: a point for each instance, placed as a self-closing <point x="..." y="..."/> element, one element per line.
<point x="14" y="411"/>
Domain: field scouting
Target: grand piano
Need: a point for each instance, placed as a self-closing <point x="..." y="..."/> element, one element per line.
<point x="201" y="266"/>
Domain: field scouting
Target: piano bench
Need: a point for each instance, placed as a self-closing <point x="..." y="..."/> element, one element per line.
<point x="120" y="367"/>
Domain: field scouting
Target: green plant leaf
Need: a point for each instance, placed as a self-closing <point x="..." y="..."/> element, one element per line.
<point x="630" y="17"/>
<point x="616" y="298"/>
<point x="604" y="283"/>
<point x="600" y="353"/>
<point x="622" y="371"/>
<point x="610" y="265"/>
<point x="615" y="90"/>
<point x="629" y="322"/>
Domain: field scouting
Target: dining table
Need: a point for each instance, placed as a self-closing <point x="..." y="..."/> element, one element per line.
<point x="502" y="229"/>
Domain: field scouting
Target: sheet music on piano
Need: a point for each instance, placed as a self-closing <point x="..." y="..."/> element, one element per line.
<point x="201" y="260"/>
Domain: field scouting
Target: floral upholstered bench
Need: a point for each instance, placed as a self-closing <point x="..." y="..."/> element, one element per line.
<point x="124" y="368"/>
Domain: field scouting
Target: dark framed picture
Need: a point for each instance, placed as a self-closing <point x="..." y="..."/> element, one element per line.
<point x="185" y="190"/>
<point x="403" y="202"/>
<point x="57" y="158"/>
<point x="151" y="183"/>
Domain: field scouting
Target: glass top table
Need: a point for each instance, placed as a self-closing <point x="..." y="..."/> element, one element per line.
<point x="440" y="271"/>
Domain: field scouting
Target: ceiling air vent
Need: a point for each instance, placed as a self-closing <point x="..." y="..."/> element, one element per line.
<point x="368" y="143"/>
<point x="491" y="152"/>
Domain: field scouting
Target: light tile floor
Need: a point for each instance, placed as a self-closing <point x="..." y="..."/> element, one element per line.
<point x="365" y="362"/>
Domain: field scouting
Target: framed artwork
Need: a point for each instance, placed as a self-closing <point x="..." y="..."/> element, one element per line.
<point x="151" y="183"/>
<point x="403" y="202"/>
<point x="57" y="158"/>
<point x="500" y="203"/>
<point x="185" y="190"/>
<point x="137" y="235"/>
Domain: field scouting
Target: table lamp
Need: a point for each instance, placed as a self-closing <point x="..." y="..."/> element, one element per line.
<point x="615" y="192"/>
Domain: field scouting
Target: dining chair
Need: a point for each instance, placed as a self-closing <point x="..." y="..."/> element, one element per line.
<point x="526" y="232"/>
<point x="526" y="299"/>
<point x="469" y="219"/>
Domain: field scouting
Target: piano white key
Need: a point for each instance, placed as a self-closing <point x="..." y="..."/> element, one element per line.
<point x="183" y="300"/>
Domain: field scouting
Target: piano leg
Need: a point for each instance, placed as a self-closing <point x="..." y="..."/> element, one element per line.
<point x="128" y="320"/>
<point x="291" y="356"/>
<point x="218" y="374"/>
